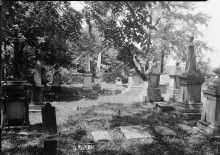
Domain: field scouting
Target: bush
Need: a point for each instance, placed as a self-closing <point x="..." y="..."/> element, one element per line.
<point x="118" y="70"/>
<point x="71" y="77"/>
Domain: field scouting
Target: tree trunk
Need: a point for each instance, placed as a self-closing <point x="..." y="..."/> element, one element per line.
<point x="88" y="62"/>
<point x="99" y="62"/>
<point x="0" y="71"/>
<point x="162" y="62"/>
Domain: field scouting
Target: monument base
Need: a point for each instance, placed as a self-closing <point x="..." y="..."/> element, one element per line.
<point x="87" y="90"/>
<point x="188" y="107"/>
<point x="189" y="116"/>
<point x="208" y="129"/>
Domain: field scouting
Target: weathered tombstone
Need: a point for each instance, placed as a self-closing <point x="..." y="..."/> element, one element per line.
<point x="50" y="147"/>
<point x="36" y="94"/>
<point x="135" y="83"/>
<point x="15" y="100"/>
<point x="164" y="83"/>
<point x="97" y="81"/>
<point x="173" y="88"/>
<point x="56" y="84"/>
<point x="49" y="118"/>
<point x="190" y="87"/>
<point x="144" y="95"/>
<point x="87" y="77"/>
<point x="87" y="81"/>
<point x="210" y="119"/>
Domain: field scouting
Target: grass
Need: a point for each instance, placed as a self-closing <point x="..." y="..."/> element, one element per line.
<point x="77" y="119"/>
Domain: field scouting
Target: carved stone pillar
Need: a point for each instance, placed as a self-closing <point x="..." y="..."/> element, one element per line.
<point x="190" y="87"/>
<point x="210" y="119"/>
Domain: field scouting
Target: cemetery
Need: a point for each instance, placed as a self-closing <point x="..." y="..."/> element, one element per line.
<point x="69" y="86"/>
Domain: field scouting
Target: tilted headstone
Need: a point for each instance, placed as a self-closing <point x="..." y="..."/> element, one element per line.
<point x="49" y="118"/>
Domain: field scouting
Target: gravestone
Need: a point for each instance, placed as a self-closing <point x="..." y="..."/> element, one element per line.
<point x="49" y="118"/>
<point x="164" y="83"/>
<point x="210" y="119"/>
<point x="172" y="92"/>
<point x="163" y="107"/>
<point x="135" y="132"/>
<point x="189" y="102"/>
<point x="87" y="83"/>
<point x="14" y="92"/>
<point x="164" y="131"/>
<point x="56" y="85"/>
<point x="50" y="147"/>
<point x="97" y="81"/>
<point x="101" y="135"/>
<point x="36" y="94"/>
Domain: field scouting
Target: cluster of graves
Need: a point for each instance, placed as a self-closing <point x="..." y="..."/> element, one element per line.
<point x="185" y="91"/>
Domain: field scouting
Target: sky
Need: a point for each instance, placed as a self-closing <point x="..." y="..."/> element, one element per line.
<point x="210" y="33"/>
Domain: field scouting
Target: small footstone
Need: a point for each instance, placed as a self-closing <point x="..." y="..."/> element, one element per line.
<point x="131" y="132"/>
<point x="163" y="106"/>
<point x="186" y="128"/>
<point x="165" y="131"/>
<point x="101" y="135"/>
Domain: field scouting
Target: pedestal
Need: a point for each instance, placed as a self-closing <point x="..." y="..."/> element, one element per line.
<point x="87" y="90"/>
<point x="96" y="86"/>
<point x="87" y="81"/>
<point x="190" y="96"/>
<point x="15" y="103"/>
<point x="210" y="119"/>
<point x="36" y="95"/>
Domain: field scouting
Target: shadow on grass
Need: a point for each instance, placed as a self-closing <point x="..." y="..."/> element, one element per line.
<point x="32" y="150"/>
<point x="65" y="94"/>
<point x="108" y="152"/>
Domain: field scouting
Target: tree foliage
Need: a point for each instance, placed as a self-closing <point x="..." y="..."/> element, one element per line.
<point x="174" y="28"/>
<point x="160" y="29"/>
<point x="123" y="23"/>
<point x="46" y="25"/>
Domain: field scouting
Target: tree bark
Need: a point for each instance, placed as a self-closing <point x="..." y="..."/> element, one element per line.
<point x="162" y="62"/>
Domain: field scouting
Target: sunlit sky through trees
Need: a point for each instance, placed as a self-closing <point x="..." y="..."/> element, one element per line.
<point x="211" y="33"/>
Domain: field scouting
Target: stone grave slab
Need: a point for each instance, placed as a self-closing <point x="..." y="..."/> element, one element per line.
<point x="185" y="127"/>
<point x="163" y="106"/>
<point x="164" y="131"/>
<point x="101" y="135"/>
<point x="133" y="132"/>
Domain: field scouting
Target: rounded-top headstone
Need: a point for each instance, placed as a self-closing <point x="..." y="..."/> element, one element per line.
<point x="216" y="82"/>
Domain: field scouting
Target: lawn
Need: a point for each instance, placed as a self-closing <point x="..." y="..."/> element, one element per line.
<point x="77" y="119"/>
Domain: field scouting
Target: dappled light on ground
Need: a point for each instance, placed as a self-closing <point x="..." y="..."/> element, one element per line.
<point x="77" y="119"/>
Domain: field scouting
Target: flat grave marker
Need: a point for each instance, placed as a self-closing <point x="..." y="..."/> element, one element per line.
<point x="101" y="135"/>
<point x="165" y="131"/>
<point x="133" y="132"/>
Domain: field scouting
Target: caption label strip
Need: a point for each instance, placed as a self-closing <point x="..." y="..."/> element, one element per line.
<point x="84" y="147"/>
